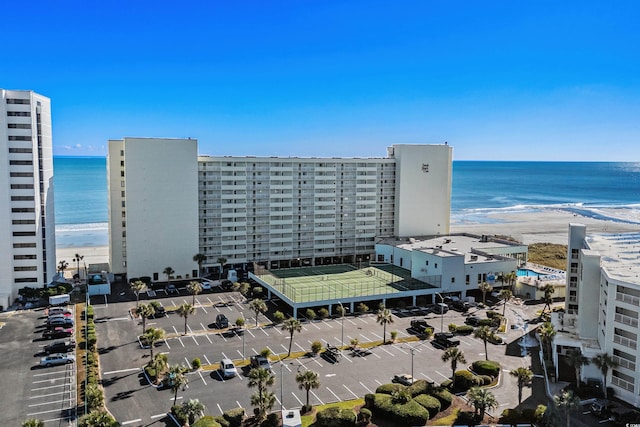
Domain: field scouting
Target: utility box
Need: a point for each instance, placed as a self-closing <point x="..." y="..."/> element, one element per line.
<point x="291" y="418"/>
<point x="59" y="299"/>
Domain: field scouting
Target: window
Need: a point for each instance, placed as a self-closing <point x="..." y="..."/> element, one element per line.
<point x="18" y="101"/>
<point x="22" y="198"/>
<point x="19" y="113"/>
<point x="23" y="210"/>
<point x="466" y="279"/>
<point x="21" y="162"/>
<point x="121" y="153"/>
<point x="19" y="126"/>
<point x="17" y="257"/>
<point x="21" y="174"/>
<point x="124" y="224"/>
<point x="24" y="233"/>
<point x="27" y="280"/>
<point x="123" y="203"/>
<point x="21" y="186"/>
<point x="122" y="184"/>
<point x="124" y="215"/>
<point x="19" y="138"/>
<point x="122" y="193"/>
<point x="24" y="245"/>
<point x="23" y="221"/>
<point x="121" y="173"/>
<point x="436" y="265"/>
<point x="20" y="150"/>
<point x="453" y="280"/>
<point x="121" y="163"/>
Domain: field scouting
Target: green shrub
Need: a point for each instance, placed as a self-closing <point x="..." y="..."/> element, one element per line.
<point x="510" y="416"/>
<point x="389" y="388"/>
<point x="323" y="313"/>
<point x="394" y="335"/>
<point x="407" y="414"/>
<point x="429" y="403"/>
<point x="492" y="314"/>
<point x="221" y="420"/>
<point x="528" y="415"/>
<point x="364" y="416"/>
<point x="446" y="384"/>
<point x="278" y="317"/>
<point x="444" y="396"/>
<point x="464" y="330"/>
<point x="316" y="346"/>
<point x="485" y="379"/>
<point x="177" y="412"/>
<point x="369" y="400"/>
<point x="486" y="367"/>
<point x="452" y="327"/>
<point x="335" y="417"/>
<point x="495" y="339"/>
<point x="466" y="418"/>
<point x="485" y="322"/>
<point x="420" y="387"/>
<point x="196" y="363"/>
<point x="464" y="380"/>
<point x="89" y="312"/>
<point x="540" y="411"/>
<point x="206" y="421"/>
<point x="234" y="416"/>
<point x="272" y="420"/>
<point x="310" y="314"/>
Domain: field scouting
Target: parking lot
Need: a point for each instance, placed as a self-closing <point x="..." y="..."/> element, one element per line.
<point x="352" y="377"/>
<point x="46" y="393"/>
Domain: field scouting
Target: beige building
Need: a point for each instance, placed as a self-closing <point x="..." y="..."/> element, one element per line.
<point x="27" y="223"/>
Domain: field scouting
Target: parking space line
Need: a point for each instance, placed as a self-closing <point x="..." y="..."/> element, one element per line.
<point x="279" y="403"/>
<point x="299" y="401"/>
<point x="362" y="319"/>
<point x="121" y="371"/>
<point x="441" y="374"/>
<point x="50" y="373"/>
<point x="250" y="333"/>
<point x="327" y="324"/>
<point x="153" y="417"/>
<point x="203" y="309"/>
<point x="265" y="332"/>
<point x="335" y="395"/>
<point x="386" y="351"/>
<point x="180" y="341"/>
<point x="400" y="350"/>
<point x="219" y="408"/>
<point x="224" y="355"/>
<point x="239" y="405"/>
<point x="349" y="320"/>
<point x="317" y="327"/>
<point x="300" y="347"/>
<point x="124" y="423"/>
<point x="317" y="398"/>
<point x="167" y="344"/>
<point x="377" y="336"/>
<point x="51" y="379"/>
<point x="275" y="329"/>
<point x="187" y="360"/>
<point x="51" y="402"/>
<point x="379" y="383"/>
<point x="240" y="353"/>
<point x="365" y="387"/>
<point x="285" y="348"/>
<point x="202" y="377"/>
<point x="355" y="395"/>
<point x="51" y="386"/>
<point x="223" y="337"/>
<point x="427" y="376"/>
<point x="173" y="303"/>
<point x="207" y="359"/>
<point x="272" y="352"/>
<point x="43" y="412"/>
<point x="50" y="394"/>
<point x="195" y="340"/>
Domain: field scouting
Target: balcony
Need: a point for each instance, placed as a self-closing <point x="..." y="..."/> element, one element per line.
<point x="628" y="299"/>
<point x="625" y="341"/>
<point x="624" y="363"/>
<point x="626" y="320"/>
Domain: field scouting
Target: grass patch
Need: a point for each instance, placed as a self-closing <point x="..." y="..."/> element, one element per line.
<point x="308" y="420"/>
<point x="549" y="254"/>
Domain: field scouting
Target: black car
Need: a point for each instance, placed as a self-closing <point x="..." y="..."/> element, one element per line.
<point x="222" y="321"/>
<point x="60" y="347"/>
<point x="58" y="332"/>
<point x="472" y="320"/>
<point x="419" y="325"/>
<point x="442" y="335"/>
<point x="460" y="306"/>
<point x="59" y="322"/>
<point x="159" y="311"/>
<point x="446" y="342"/>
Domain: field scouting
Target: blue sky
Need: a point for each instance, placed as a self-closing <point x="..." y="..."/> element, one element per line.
<point x="501" y="80"/>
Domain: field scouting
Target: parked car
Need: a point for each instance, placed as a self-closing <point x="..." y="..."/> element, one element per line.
<point x="60" y="310"/>
<point x="60" y="347"/>
<point x="405" y="379"/>
<point x="446" y="342"/>
<point x="419" y="325"/>
<point x="440" y="308"/>
<point x="332" y="353"/>
<point x="171" y="289"/>
<point x="57" y="359"/>
<point x="57" y="332"/>
<point x="228" y="369"/>
<point x="159" y="311"/>
<point x="59" y="316"/>
<point x="58" y="322"/>
<point x="260" y="362"/>
<point x="442" y="335"/>
<point x="222" y="321"/>
<point x="472" y="320"/>
<point x="461" y="306"/>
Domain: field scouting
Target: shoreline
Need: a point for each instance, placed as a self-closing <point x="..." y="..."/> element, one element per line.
<point x="540" y="226"/>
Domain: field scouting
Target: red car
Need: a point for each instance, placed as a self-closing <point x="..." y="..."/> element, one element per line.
<point x="57" y="332"/>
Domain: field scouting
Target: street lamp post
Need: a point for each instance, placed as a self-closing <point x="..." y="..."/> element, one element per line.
<point x="281" y="392"/>
<point x="413" y="350"/>
<point x="441" y="312"/>
<point x="342" y="323"/>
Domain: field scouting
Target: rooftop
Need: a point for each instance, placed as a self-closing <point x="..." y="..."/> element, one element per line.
<point x="619" y="254"/>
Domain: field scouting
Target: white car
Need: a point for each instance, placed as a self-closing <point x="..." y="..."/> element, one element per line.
<point x="57" y="359"/>
<point x="228" y="369"/>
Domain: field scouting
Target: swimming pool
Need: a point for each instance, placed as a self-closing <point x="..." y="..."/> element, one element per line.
<point x="530" y="273"/>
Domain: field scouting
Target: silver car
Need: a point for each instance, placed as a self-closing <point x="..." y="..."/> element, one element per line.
<point x="57" y="359"/>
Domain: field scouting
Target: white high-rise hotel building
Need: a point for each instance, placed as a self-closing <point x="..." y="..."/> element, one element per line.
<point x="27" y="225"/>
<point x="167" y="204"/>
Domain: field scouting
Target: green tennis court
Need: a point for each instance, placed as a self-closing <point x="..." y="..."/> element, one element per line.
<point x="318" y="283"/>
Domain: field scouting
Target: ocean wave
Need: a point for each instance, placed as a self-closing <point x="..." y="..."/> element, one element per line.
<point x="92" y="226"/>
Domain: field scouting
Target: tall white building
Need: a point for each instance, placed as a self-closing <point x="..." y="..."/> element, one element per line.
<point x="603" y="306"/>
<point x="281" y="211"/>
<point x="27" y="223"/>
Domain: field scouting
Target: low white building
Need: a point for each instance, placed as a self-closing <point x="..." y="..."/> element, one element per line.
<point x="602" y="307"/>
<point x="455" y="264"/>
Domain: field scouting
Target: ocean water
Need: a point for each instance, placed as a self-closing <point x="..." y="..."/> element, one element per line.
<point x="603" y="190"/>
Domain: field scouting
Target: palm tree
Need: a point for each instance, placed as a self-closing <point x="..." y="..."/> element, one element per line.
<point x="222" y="261"/>
<point x="511" y="279"/>
<point x="200" y="259"/>
<point x="548" y="290"/>
<point x="168" y="271"/>
<point x="506" y="295"/>
<point x="291" y="325"/>
<point x="100" y="418"/>
<point x="176" y="378"/>
<point x="145" y="311"/>
<point x="62" y="266"/>
<point x="484" y="288"/>
<point x="151" y="336"/>
<point x="184" y="310"/>
<point x="32" y="422"/>
<point x="261" y="378"/>
<point x="482" y="399"/>
<point x="546" y="333"/>
<point x="524" y="377"/>
<point x="307" y="380"/>
<point x="577" y="360"/>
<point x="194" y="288"/>
<point x="384" y="317"/>
<point x="604" y="362"/>
<point x="258" y="306"/>
<point x="483" y="333"/>
<point x="193" y="409"/>
<point x="159" y="363"/>
<point x="566" y="403"/>
<point x="138" y="287"/>
<point x="453" y="355"/>
<point x="77" y="258"/>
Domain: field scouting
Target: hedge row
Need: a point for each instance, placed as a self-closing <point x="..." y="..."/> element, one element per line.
<point x="486" y="367"/>
<point x="206" y="421"/>
<point x="430" y="403"/>
<point x="410" y="413"/>
<point x="335" y="417"/>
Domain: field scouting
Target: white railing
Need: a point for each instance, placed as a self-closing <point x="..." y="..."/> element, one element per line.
<point x="625" y="341"/>
<point x="626" y="320"/>
<point x="624" y="363"/>
<point x="627" y="298"/>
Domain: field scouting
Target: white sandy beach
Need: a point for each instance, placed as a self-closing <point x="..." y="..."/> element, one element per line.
<point x="547" y="226"/>
<point x="550" y="226"/>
